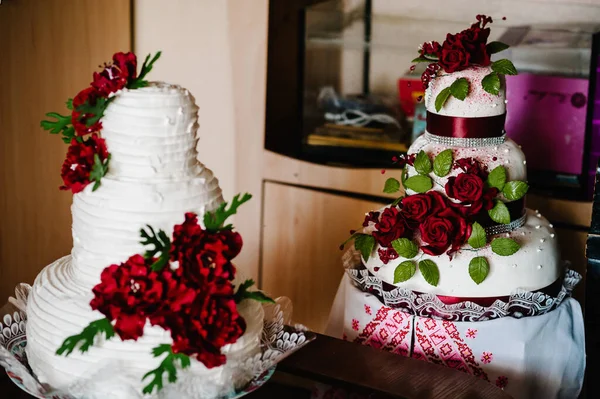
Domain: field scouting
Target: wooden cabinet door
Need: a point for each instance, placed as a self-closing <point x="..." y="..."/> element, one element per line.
<point x="49" y="50"/>
<point x="302" y="231"/>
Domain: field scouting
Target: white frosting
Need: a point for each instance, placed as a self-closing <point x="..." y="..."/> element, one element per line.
<point x="539" y="247"/>
<point x="58" y="308"/>
<point x="507" y="154"/>
<point x="478" y="102"/>
<point x="154" y="178"/>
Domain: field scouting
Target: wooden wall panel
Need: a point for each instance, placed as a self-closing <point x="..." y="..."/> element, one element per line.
<point x="302" y="230"/>
<point x="49" y="50"/>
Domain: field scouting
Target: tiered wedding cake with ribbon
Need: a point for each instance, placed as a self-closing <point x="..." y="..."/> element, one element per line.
<point x="459" y="251"/>
<point x="126" y="313"/>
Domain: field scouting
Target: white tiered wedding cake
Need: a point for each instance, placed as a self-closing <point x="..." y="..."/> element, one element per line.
<point x="153" y="179"/>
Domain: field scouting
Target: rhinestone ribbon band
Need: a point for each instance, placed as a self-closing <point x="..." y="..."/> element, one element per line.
<point x="465" y="142"/>
<point x="505" y="228"/>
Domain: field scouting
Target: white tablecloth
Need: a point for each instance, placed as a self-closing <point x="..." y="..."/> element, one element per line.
<point x="533" y="357"/>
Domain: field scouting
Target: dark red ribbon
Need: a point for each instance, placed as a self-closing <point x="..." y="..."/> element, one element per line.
<point x="465" y="128"/>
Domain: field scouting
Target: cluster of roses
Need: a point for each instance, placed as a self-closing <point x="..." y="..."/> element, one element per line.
<point x="192" y="295"/>
<point x="458" y="51"/>
<point x="78" y="165"/>
<point x="443" y="225"/>
<point x="87" y="157"/>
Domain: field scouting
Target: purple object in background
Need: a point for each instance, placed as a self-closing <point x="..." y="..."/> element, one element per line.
<point x="546" y="115"/>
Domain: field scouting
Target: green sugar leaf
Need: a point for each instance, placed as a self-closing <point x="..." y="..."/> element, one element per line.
<point x="167" y="366"/>
<point x="422" y="163"/>
<point x="479" y="269"/>
<point x="441" y="98"/>
<point x="352" y="237"/>
<point x="397" y="201"/>
<point x="491" y="83"/>
<point x="496" y="47"/>
<point x="505" y="246"/>
<point x="460" y="88"/>
<point x="405" y="248"/>
<point x="419" y="183"/>
<point x="422" y="59"/>
<point x="146" y="68"/>
<point x="499" y="213"/>
<point x="161" y="244"/>
<point x="404" y="271"/>
<point x="243" y="293"/>
<point x="478" y="238"/>
<point x="70" y="104"/>
<point x="86" y="338"/>
<point x="404" y="175"/>
<point x="96" y="110"/>
<point x="430" y="271"/>
<point x="99" y="169"/>
<point x="504" y="67"/>
<point x="443" y="163"/>
<point x="514" y="190"/>
<point x="62" y="122"/>
<point x="391" y="186"/>
<point x="214" y="221"/>
<point x="497" y="177"/>
<point x="365" y="244"/>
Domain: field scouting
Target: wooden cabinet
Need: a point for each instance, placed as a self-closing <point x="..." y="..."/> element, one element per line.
<point x="302" y="229"/>
<point x="49" y="51"/>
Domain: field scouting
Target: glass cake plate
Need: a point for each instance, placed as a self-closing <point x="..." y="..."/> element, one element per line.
<point x="278" y="341"/>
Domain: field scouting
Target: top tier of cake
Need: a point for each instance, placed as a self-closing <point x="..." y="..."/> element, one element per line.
<point x="478" y="102"/>
<point x="154" y="178"/>
<point x="151" y="133"/>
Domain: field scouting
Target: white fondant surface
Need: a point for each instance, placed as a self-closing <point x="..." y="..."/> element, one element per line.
<point x="507" y="154"/>
<point x="478" y="102"/>
<point x="154" y="178"/>
<point x="535" y="265"/>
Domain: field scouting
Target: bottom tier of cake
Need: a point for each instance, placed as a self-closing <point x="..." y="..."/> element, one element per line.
<point x="58" y="308"/>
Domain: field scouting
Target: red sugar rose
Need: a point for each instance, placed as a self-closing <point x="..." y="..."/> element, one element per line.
<point x="472" y="166"/>
<point x="431" y="48"/>
<point x="78" y="165"/>
<point x="454" y="56"/>
<point x="416" y="207"/>
<point x="465" y="187"/>
<point x="114" y="76"/>
<point x="484" y="204"/>
<point x="391" y="226"/>
<point x="78" y="119"/>
<point x="371" y="217"/>
<point x="204" y="256"/>
<point x="447" y="229"/>
<point x="131" y="292"/>
<point x="211" y="322"/>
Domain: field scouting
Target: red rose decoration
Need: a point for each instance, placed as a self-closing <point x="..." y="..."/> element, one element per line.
<point x="474" y="40"/>
<point x="114" y="76"/>
<point x="204" y="256"/>
<point x="78" y="165"/>
<point x="371" y="217"/>
<point x="78" y="119"/>
<point x="418" y="207"/>
<point x="472" y="166"/>
<point x="387" y="254"/>
<point x="211" y="323"/>
<point x="431" y="48"/>
<point x="131" y="292"/>
<point x="465" y="187"/>
<point x="447" y="229"/>
<point x="484" y="204"/>
<point x="391" y="226"/>
<point x="453" y="56"/>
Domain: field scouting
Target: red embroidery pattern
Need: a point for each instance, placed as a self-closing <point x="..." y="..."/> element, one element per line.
<point x="471" y="333"/>
<point x="440" y="342"/>
<point x="355" y="325"/>
<point x="389" y="331"/>
<point x="368" y="310"/>
<point x="486" y="357"/>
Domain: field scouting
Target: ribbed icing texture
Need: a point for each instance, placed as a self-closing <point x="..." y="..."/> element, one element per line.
<point x="154" y="178"/>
